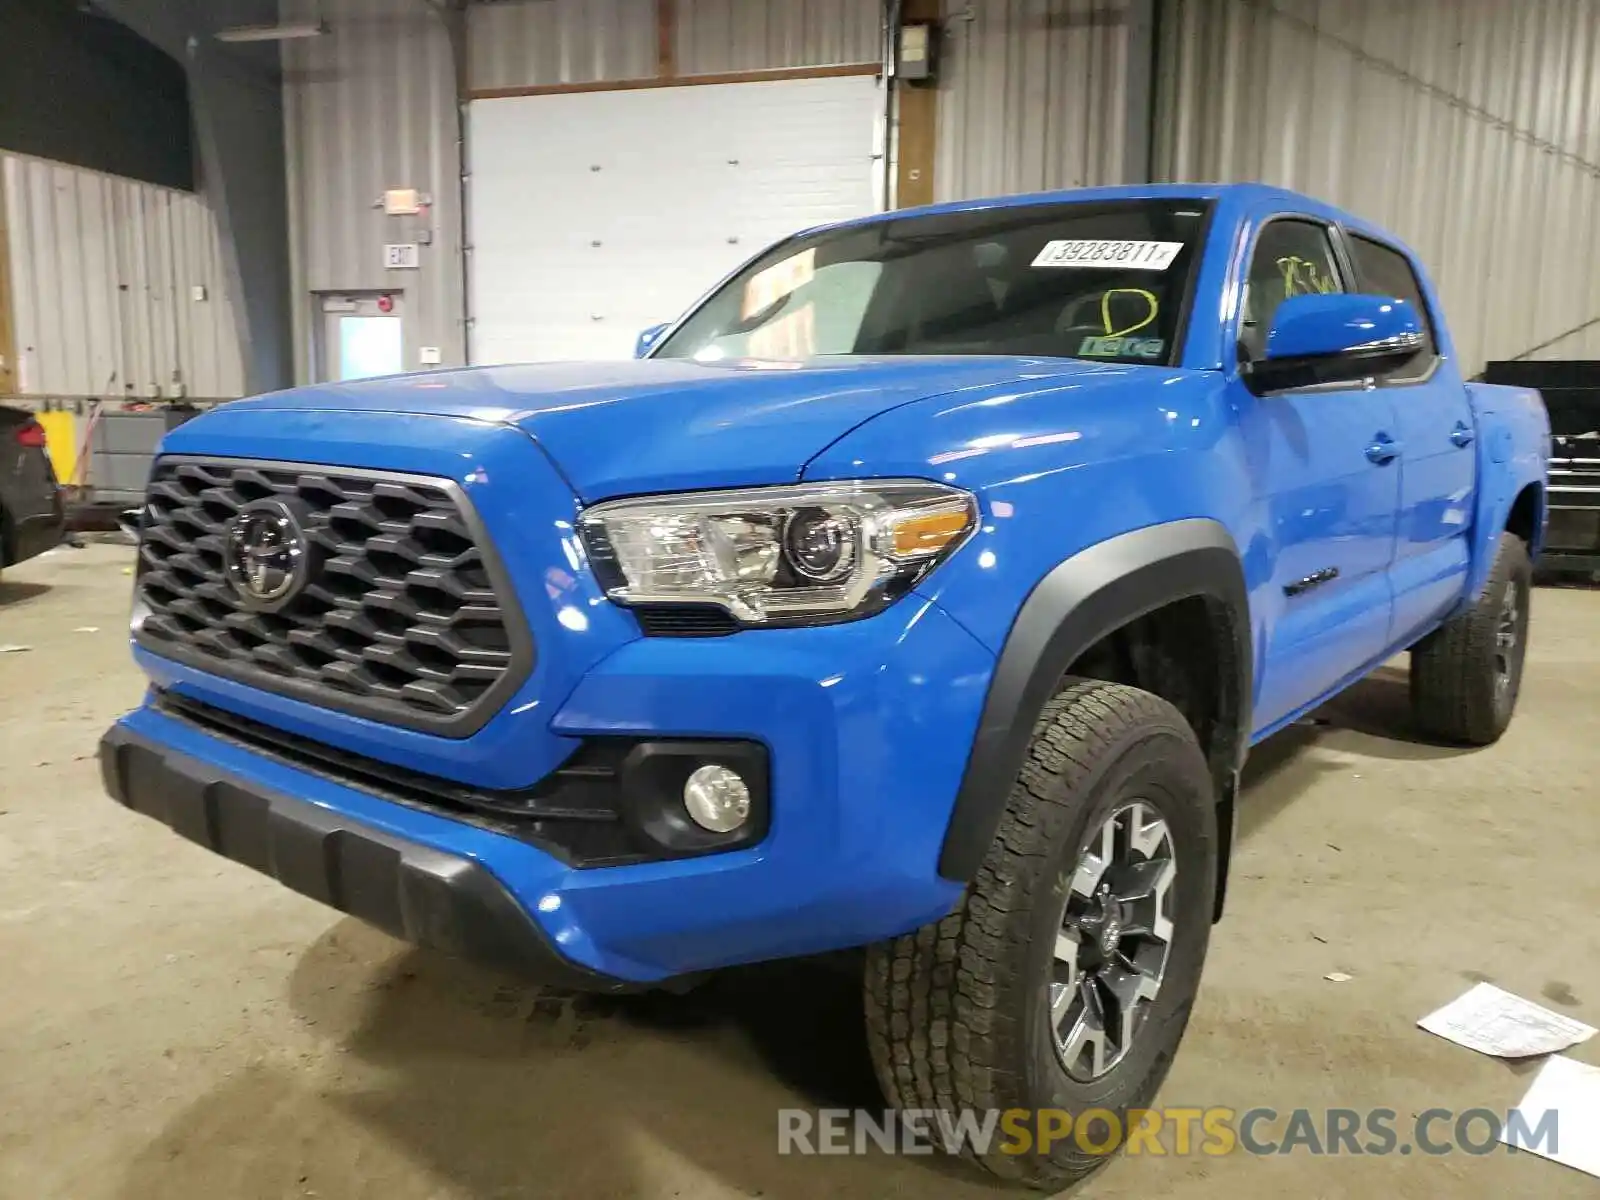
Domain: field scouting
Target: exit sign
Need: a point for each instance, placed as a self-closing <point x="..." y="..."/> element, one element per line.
<point x="401" y="256"/>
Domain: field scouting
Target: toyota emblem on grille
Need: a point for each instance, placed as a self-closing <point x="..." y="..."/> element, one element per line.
<point x="266" y="554"/>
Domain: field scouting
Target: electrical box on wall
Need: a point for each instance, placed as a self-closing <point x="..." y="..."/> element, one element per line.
<point x="917" y="52"/>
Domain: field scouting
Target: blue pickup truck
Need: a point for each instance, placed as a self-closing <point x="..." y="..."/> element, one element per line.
<point x="921" y="591"/>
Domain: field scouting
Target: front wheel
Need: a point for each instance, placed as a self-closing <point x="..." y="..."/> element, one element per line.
<point x="1064" y="980"/>
<point x="1466" y="675"/>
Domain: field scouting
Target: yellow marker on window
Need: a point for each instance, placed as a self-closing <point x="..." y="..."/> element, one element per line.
<point x="1105" y="310"/>
<point x="1302" y="277"/>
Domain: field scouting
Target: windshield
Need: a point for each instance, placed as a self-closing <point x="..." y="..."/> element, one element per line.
<point x="1104" y="281"/>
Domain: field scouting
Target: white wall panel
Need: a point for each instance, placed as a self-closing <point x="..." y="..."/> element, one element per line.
<point x="103" y="271"/>
<point x="597" y="214"/>
<point x="1032" y="97"/>
<point x="1468" y="127"/>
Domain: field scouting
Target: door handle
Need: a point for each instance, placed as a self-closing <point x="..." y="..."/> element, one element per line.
<point x="1461" y="435"/>
<point x="1384" y="449"/>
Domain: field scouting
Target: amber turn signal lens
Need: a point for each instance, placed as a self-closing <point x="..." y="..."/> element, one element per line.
<point x="929" y="533"/>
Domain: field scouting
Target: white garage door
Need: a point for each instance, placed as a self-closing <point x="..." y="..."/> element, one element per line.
<point x="594" y="215"/>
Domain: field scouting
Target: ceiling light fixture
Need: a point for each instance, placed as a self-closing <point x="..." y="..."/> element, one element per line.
<point x="273" y="33"/>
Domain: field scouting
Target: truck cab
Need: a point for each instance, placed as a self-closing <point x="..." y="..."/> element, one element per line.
<point x="919" y="592"/>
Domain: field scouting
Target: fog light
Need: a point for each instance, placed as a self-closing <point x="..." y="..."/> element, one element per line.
<point x="716" y="798"/>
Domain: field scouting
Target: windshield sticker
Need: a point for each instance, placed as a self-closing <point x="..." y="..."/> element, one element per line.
<point x="1149" y="349"/>
<point x="1107" y="253"/>
<point x="766" y="288"/>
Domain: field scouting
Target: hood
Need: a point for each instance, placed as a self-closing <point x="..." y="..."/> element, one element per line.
<point x="621" y="428"/>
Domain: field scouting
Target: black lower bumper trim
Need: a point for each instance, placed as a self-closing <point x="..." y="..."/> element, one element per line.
<point x="414" y="892"/>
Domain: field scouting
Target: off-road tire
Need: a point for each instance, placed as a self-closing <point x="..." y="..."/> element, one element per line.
<point x="1454" y="670"/>
<point x="958" y="1011"/>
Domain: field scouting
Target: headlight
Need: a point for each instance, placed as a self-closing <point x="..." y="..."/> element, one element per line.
<point x="779" y="555"/>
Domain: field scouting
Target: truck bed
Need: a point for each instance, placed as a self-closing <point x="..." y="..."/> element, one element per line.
<point x="1571" y="391"/>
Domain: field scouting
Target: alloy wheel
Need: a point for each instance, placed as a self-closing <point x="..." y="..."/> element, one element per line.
<point x="1508" y="639"/>
<point x="1114" y="942"/>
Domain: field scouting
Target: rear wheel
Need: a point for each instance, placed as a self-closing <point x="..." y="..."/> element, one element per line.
<point x="1065" y="978"/>
<point x="1466" y="675"/>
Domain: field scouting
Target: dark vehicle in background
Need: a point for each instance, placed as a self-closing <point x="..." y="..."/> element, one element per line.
<point x="32" y="516"/>
<point x="1571" y="392"/>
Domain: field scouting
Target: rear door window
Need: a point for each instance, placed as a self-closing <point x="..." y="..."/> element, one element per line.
<point x="1385" y="271"/>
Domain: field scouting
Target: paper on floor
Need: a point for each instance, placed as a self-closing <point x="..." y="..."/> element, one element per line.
<point x="1492" y="1021"/>
<point x="1571" y="1090"/>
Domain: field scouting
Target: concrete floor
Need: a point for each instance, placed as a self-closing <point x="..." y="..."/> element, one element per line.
<point x="172" y="1025"/>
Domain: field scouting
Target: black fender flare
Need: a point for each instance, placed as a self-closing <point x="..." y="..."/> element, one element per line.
<point x="1079" y="602"/>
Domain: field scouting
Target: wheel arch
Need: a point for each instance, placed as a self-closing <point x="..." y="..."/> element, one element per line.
<point x="1513" y="466"/>
<point x="1516" y="509"/>
<point x="1077" y="605"/>
<point x="1526" y="517"/>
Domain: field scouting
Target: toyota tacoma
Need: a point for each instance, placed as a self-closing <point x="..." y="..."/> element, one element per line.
<point x="921" y="590"/>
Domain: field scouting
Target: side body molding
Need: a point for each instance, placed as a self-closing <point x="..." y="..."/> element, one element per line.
<point x="1078" y="603"/>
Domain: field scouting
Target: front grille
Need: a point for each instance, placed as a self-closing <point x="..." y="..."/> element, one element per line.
<point x="405" y="615"/>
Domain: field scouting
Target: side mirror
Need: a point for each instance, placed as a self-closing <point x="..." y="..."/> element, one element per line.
<point x="649" y="338"/>
<point x="1336" y="338"/>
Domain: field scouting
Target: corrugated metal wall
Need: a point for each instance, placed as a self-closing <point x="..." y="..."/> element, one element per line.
<point x="752" y="35"/>
<point x="528" y="43"/>
<point x="372" y="105"/>
<point x="369" y="106"/>
<point x="102" y="277"/>
<point x="1032" y="97"/>
<point x="520" y="43"/>
<point x="1471" y="128"/>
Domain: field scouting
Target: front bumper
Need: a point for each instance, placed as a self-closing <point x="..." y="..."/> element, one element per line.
<point x="425" y="896"/>
<point x="866" y="727"/>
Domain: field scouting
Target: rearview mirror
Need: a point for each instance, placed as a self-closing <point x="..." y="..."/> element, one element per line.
<point x="649" y="338"/>
<point x="1335" y="338"/>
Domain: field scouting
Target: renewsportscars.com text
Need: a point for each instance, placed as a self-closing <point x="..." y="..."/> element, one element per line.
<point x="1168" y="1131"/>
